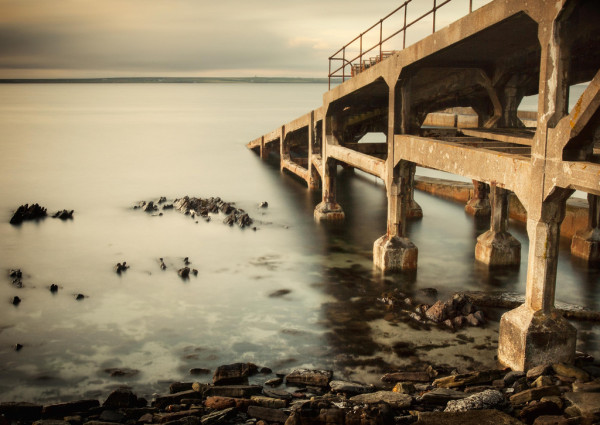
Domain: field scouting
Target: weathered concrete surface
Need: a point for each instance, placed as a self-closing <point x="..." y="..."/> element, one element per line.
<point x="488" y="61"/>
<point x="586" y="242"/>
<point x="529" y="338"/>
<point x="576" y="217"/>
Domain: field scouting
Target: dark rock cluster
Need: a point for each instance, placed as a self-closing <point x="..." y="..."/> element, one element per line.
<point x="452" y="314"/>
<point x="557" y="394"/>
<point x="28" y="212"/>
<point x="36" y="212"/>
<point x="201" y="207"/>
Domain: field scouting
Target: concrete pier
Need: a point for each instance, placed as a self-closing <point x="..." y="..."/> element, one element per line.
<point x="487" y="62"/>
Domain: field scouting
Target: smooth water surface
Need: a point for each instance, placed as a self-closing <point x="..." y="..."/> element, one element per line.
<point x="99" y="149"/>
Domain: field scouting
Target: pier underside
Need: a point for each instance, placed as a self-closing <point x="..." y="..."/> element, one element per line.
<point x="487" y="62"/>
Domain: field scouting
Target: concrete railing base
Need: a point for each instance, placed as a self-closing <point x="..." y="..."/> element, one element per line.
<point x="531" y="338"/>
<point x="395" y="254"/>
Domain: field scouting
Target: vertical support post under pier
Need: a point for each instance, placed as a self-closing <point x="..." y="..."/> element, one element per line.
<point x="535" y="333"/>
<point x="479" y="204"/>
<point x="313" y="175"/>
<point x="497" y="247"/>
<point x="586" y="243"/>
<point x="329" y="209"/>
<point x="394" y="251"/>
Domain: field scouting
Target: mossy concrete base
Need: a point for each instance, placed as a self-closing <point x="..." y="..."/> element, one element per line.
<point x="498" y="249"/>
<point x="329" y="211"/>
<point x="531" y="338"/>
<point x="395" y="254"/>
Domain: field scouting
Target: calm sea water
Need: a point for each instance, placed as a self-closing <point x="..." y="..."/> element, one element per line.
<point x="99" y="149"/>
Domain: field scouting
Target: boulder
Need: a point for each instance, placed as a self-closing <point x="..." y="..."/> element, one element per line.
<point x="587" y="404"/>
<point x="538" y="408"/>
<point x="121" y="398"/>
<point x="60" y="410"/>
<point x="236" y="373"/>
<point x="488" y="399"/>
<point x="396" y="400"/>
<point x="571" y="371"/>
<point x="472" y="417"/>
<point x="20" y="411"/>
<point x="318" y="378"/>
<point x="533" y="394"/>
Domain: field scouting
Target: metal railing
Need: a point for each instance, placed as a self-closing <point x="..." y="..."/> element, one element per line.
<point x="357" y="63"/>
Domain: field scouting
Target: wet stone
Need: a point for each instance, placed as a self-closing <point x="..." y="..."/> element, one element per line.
<point x="571" y="371"/>
<point x="441" y="396"/>
<point x="538" y="408"/>
<point x="349" y="387"/>
<point x="488" y="399"/>
<point x="473" y="417"/>
<point x="16" y="410"/>
<point x="406" y="376"/>
<point x="473" y="378"/>
<point x="534" y="394"/>
<point x="396" y="400"/>
<point x="267" y="414"/>
<point x="60" y="410"/>
<point x="319" y="378"/>
<point x="199" y="371"/>
<point x="121" y="398"/>
<point x="231" y="374"/>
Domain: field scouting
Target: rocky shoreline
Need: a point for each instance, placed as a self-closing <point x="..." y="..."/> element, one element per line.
<point x="548" y="394"/>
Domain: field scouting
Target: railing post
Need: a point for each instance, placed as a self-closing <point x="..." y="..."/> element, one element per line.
<point x="434" y="10"/>
<point x="329" y="75"/>
<point x="380" y="39"/>
<point x="470" y="6"/>
<point x="344" y="64"/>
<point x="360" y="56"/>
<point x="404" y="28"/>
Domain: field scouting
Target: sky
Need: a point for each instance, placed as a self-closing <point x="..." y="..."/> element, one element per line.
<point x="187" y="38"/>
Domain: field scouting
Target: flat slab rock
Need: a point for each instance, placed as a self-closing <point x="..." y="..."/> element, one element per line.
<point x="397" y="400"/>
<point x="350" y="387"/>
<point x="587" y="403"/>
<point x="318" y="378"/>
<point x="473" y="417"/>
<point x="487" y="399"/>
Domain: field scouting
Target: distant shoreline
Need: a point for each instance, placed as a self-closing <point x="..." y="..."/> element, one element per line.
<point x="171" y="80"/>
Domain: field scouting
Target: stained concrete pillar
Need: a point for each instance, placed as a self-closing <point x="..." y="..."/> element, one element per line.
<point x="394" y="251"/>
<point x="284" y="148"/>
<point x="497" y="247"/>
<point x="479" y="204"/>
<point x="535" y="333"/>
<point x="313" y="179"/>
<point x="586" y="243"/>
<point x="414" y="209"/>
<point x="329" y="209"/>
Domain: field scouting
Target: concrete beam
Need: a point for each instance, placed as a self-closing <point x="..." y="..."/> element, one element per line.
<point x="508" y="171"/>
<point x="367" y="163"/>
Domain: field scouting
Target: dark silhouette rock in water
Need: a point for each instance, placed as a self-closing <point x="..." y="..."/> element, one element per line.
<point x="27" y="212"/>
<point x="18" y="347"/>
<point x="184" y="272"/>
<point x="79" y="297"/>
<point x="119" y="268"/>
<point x="54" y="287"/>
<point x="64" y="215"/>
<point x="163" y="266"/>
<point x="16" y="301"/>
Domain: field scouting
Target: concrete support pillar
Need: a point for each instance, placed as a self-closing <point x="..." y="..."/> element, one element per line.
<point x="284" y="148"/>
<point x="329" y="209"/>
<point x="394" y="251"/>
<point x="414" y="209"/>
<point x="510" y="98"/>
<point x="534" y="333"/>
<point x="264" y="149"/>
<point x="479" y="204"/>
<point x="313" y="179"/>
<point x="497" y="247"/>
<point x="586" y="243"/>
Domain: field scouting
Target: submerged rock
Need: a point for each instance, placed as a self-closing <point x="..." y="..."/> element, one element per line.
<point x="119" y="268"/>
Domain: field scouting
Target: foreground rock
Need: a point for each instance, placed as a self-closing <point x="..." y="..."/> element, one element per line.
<point x="549" y="394"/>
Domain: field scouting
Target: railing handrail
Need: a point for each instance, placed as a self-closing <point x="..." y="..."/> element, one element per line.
<point x="361" y="63"/>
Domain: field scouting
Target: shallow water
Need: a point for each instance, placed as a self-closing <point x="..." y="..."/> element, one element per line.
<point x="99" y="149"/>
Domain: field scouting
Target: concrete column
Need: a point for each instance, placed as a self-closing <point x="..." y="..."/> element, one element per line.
<point x="479" y="204"/>
<point x="329" y="209"/>
<point x="414" y="209"/>
<point x="313" y="180"/>
<point x="535" y="333"/>
<point x="264" y="150"/>
<point x="284" y="148"/>
<point x="394" y="251"/>
<point x="586" y="244"/>
<point x="497" y="247"/>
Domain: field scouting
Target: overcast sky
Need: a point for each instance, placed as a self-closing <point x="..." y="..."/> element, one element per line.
<point x="110" y="38"/>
